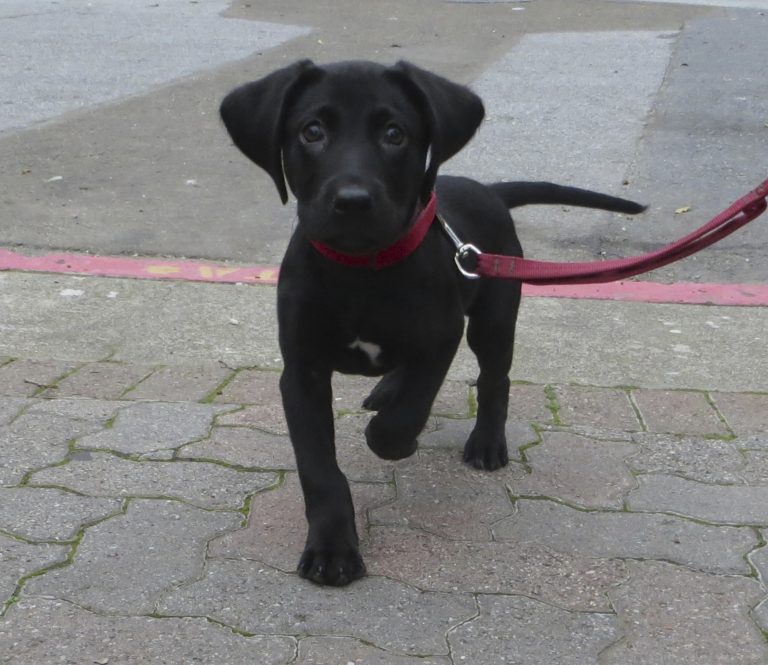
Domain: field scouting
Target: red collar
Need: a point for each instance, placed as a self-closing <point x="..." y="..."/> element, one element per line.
<point x="400" y="249"/>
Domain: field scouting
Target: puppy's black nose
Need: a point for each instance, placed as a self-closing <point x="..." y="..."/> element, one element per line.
<point x="352" y="198"/>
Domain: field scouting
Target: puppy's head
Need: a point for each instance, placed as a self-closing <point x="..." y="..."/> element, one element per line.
<point x="358" y="143"/>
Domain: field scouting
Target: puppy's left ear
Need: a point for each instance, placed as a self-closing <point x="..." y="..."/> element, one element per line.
<point x="253" y="116"/>
<point x="453" y="113"/>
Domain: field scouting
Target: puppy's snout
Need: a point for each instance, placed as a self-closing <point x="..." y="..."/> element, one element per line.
<point x="352" y="198"/>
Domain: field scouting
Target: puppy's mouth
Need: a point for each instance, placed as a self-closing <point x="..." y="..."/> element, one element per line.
<point x="355" y="236"/>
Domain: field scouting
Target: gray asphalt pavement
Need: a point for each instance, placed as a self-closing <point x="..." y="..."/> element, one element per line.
<point x="149" y="505"/>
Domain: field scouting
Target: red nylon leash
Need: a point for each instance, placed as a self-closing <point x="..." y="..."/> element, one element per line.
<point x="531" y="271"/>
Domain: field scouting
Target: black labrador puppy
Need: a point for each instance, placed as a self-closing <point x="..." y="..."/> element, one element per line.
<point x="368" y="284"/>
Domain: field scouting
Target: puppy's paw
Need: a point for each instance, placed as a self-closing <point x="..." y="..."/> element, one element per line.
<point x="383" y="392"/>
<point x="487" y="453"/>
<point x="387" y="442"/>
<point x="331" y="568"/>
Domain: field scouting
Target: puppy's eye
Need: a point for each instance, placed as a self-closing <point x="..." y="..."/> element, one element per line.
<point x="393" y="135"/>
<point x="312" y="133"/>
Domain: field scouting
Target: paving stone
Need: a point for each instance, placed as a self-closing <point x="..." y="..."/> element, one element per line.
<point x="27" y="377"/>
<point x="18" y="559"/>
<point x="202" y="484"/>
<point x="41" y="631"/>
<point x="678" y="412"/>
<point x="349" y="391"/>
<point x="277" y="527"/>
<point x="266" y="417"/>
<point x="452" y="400"/>
<point x="727" y="504"/>
<point x="529" y="402"/>
<point x="105" y="380"/>
<point x="355" y="458"/>
<point x="745" y="413"/>
<point x="717" y="549"/>
<point x="429" y="562"/>
<point x="93" y="410"/>
<point x="453" y="433"/>
<point x="755" y="467"/>
<point x="697" y="458"/>
<point x="521" y="631"/>
<point x="439" y="494"/>
<point x="10" y="407"/>
<point x="50" y="514"/>
<point x="122" y="564"/>
<point x="36" y="440"/>
<point x="250" y="386"/>
<point x="605" y="408"/>
<point x="382" y="612"/>
<point x="573" y="468"/>
<point x="181" y="384"/>
<point x="150" y="426"/>
<point x="759" y="559"/>
<point x="345" y="651"/>
<point x="244" y="447"/>
<point x="672" y="615"/>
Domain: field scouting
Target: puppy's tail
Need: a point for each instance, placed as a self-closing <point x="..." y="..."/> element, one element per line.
<point x="516" y="194"/>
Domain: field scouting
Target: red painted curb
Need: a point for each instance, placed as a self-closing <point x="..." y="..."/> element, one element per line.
<point x="688" y="293"/>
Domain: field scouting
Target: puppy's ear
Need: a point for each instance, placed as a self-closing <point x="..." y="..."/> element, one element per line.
<point x="253" y="116"/>
<point x="453" y="113"/>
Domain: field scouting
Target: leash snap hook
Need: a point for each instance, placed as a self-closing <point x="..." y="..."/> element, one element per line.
<point x="462" y="252"/>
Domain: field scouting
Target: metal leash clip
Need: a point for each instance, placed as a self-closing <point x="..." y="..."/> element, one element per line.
<point x="463" y="250"/>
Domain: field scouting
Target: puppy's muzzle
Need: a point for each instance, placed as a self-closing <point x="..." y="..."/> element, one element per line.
<point x="353" y="199"/>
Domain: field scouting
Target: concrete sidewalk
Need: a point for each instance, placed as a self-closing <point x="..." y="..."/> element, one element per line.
<point x="152" y="514"/>
<point x="149" y="506"/>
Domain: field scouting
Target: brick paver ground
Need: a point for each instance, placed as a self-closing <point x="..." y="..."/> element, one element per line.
<point x="153" y="515"/>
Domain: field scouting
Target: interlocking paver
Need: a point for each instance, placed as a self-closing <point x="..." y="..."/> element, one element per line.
<point x="439" y="494"/>
<point x="153" y="546"/>
<point x="744" y="413"/>
<point x="515" y="630"/>
<point x="106" y="380"/>
<point x="380" y="611"/>
<point x="697" y="458"/>
<point x="672" y="615"/>
<point x="251" y="386"/>
<point x="325" y="650"/>
<point x="429" y="562"/>
<point x="602" y="534"/>
<point x="51" y="632"/>
<point x="604" y="408"/>
<point x="18" y="559"/>
<point x="50" y="514"/>
<point x="10" y="408"/>
<point x="678" y="411"/>
<point x="149" y="426"/>
<point x="453" y="433"/>
<point x="576" y="469"/>
<point x="27" y="377"/>
<point x="277" y="529"/>
<point x="36" y="440"/>
<point x="529" y="402"/>
<point x="727" y="504"/>
<point x="206" y="485"/>
<point x="180" y="384"/>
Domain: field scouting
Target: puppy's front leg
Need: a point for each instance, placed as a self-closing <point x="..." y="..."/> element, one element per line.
<point x="331" y="555"/>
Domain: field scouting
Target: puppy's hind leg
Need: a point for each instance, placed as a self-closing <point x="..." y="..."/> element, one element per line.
<point x="491" y="335"/>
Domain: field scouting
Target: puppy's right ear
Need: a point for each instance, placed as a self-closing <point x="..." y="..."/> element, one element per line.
<point x="253" y="116"/>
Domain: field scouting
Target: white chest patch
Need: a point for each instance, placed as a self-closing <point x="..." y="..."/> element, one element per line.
<point x="369" y="348"/>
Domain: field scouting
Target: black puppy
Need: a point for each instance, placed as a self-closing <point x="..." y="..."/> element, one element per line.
<point x="360" y="290"/>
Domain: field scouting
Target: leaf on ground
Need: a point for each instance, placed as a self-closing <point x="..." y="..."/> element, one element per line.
<point x="683" y="210"/>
